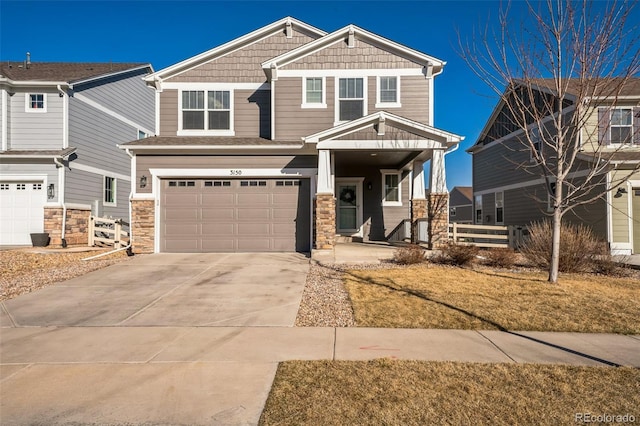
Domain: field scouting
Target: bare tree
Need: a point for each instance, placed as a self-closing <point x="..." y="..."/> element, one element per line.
<point x="552" y="73"/>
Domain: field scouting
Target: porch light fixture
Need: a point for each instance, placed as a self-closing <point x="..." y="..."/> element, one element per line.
<point x="622" y="190"/>
<point x="51" y="191"/>
<point x="143" y="181"/>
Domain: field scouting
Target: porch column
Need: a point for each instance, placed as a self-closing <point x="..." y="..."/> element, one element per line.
<point x="438" y="201"/>
<point x="325" y="203"/>
<point x="418" y="199"/>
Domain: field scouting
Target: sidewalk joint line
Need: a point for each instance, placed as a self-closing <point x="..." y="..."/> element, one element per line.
<point x="496" y="346"/>
<point x="14" y="324"/>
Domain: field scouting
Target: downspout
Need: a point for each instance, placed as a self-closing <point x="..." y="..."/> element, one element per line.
<point x="61" y="179"/>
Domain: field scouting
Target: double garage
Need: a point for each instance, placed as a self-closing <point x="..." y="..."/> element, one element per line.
<point x="235" y="215"/>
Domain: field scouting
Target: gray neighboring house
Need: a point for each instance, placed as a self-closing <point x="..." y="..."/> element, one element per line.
<point x="287" y="137"/>
<point x="461" y="204"/>
<point x="59" y="163"/>
<point x="505" y="193"/>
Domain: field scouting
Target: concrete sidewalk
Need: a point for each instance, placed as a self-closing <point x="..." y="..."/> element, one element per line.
<point x="222" y="375"/>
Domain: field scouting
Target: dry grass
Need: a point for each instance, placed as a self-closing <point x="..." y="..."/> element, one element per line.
<point x="26" y="270"/>
<point x="457" y="298"/>
<point x="385" y="392"/>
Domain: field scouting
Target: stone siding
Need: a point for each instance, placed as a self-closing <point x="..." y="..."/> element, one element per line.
<point x="438" y="214"/>
<point x="418" y="211"/>
<point x="143" y="225"/>
<point x="76" y="229"/>
<point x="325" y="221"/>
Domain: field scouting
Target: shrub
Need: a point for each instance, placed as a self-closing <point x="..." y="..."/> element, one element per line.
<point x="579" y="247"/>
<point x="456" y="254"/>
<point x="502" y="257"/>
<point x="606" y="265"/>
<point x="409" y="255"/>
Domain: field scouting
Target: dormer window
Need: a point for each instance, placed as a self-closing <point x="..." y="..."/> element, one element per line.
<point x="206" y="113"/>
<point x="36" y="102"/>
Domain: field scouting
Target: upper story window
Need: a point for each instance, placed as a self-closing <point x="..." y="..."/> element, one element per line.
<point x="478" y="209"/>
<point x="391" y="185"/>
<point x="388" y="92"/>
<point x="36" y="102"/>
<point x="351" y="98"/>
<point x="313" y="94"/>
<point x="621" y="126"/>
<point x="499" y="208"/>
<point x="206" y="112"/>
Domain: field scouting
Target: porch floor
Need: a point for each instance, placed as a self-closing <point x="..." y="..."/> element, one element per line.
<point x="352" y="252"/>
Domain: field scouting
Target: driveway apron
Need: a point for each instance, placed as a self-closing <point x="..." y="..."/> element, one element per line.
<point x="122" y="345"/>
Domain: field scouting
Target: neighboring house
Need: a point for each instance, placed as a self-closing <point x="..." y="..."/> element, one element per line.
<point x="59" y="125"/>
<point x="286" y="137"/>
<point x="461" y="204"/>
<point x="506" y="194"/>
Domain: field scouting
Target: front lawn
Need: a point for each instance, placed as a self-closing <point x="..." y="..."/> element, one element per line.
<point x="431" y="296"/>
<point x="386" y="392"/>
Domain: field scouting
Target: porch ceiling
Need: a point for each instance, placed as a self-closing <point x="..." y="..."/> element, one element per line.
<point x="381" y="159"/>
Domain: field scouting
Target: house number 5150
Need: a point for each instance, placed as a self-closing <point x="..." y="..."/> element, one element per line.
<point x="235" y="172"/>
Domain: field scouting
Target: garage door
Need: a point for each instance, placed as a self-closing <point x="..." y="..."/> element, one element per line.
<point x="21" y="211"/>
<point x="235" y="215"/>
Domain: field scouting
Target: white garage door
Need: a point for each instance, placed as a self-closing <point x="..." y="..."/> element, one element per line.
<point x="21" y="211"/>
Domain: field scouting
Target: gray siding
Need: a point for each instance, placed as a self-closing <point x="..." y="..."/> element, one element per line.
<point x="128" y="95"/>
<point x="244" y="65"/>
<point x="362" y="56"/>
<point x="414" y="97"/>
<point x="379" y="221"/>
<point x="146" y="162"/>
<point x="169" y="112"/>
<point x="96" y="134"/>
<point x="463" y="214"/>
<point x="36" y="130"/>
<point x="294" y="122"/>
<point x="252" y="113"/>
<point x="498" y="166"/>
<point x="87" y="188"/>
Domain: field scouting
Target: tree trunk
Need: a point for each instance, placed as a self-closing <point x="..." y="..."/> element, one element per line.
<point x="555" y="246"/>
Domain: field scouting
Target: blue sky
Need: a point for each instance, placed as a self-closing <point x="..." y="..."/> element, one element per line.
<point x="166" y="32"/>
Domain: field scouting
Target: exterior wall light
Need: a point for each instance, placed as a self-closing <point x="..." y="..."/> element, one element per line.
<point x="143" y="181"/>
<point x="51" y="191"/>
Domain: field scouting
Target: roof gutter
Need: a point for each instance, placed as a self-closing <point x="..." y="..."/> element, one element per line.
<point x="34" y="83"/>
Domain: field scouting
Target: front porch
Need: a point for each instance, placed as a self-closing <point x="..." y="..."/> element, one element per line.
<point x="371" y="181"/>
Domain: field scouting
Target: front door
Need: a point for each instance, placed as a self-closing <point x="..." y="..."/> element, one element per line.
<point x="348" y="206"/>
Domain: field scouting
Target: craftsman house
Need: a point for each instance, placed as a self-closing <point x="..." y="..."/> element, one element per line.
<point x="284" y="139"/>
<point x="507" y="193"/>
<point x="59" y="126"/>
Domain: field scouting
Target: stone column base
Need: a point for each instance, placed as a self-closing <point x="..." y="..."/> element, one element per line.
<point x="143" y="226"/>
<point x="418" y="211"/>
<point x="325" y="221"/>
<point x="76" y="229"/>
<point x="438" y="219"/>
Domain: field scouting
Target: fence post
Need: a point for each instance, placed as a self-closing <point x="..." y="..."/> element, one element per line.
<point x="92" y="231"/>
<point x="117" y="228"/>
<point x="455" y="233"/>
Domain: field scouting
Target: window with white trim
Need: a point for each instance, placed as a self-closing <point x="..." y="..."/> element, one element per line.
<point x="351" y="98"/>
<point x="621" y="129"/>
<point x="109" y="191"/>
<point x="392" y="188"/>
<point x="206" y="111"/>
<point x="551" y="196"/>
<point x="388" y="92"/>
<point x="313" y="93"/>
<point x="536" y="140"/>
<point x="452" y="211"/>
<point x="36" y="102"/>
<point x="478" y="209"/>
<point x="499" y="208"/>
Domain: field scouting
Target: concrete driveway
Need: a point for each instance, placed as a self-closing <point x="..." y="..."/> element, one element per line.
<point x="257" y="289"/>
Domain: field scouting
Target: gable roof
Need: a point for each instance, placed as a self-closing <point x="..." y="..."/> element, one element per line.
<point x="247" y="39"/>
<point x="64" y="72"/>
<point x="361" y="34"/>
<point x="465" y="191"/>
<point x="381" y="118"/>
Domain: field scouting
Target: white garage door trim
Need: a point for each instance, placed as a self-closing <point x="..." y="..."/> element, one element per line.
<point x="158" y="174"/>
